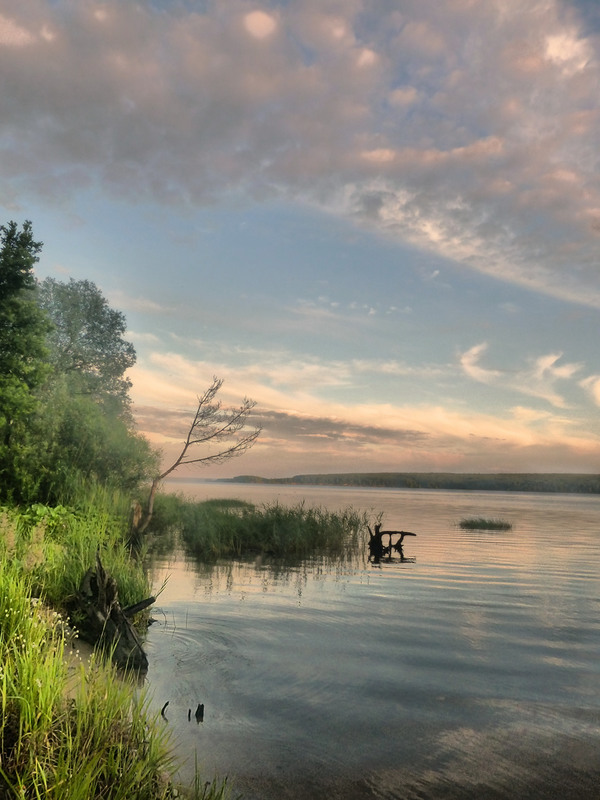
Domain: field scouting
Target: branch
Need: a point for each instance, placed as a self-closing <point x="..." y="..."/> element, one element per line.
<point x="209" y="425"/>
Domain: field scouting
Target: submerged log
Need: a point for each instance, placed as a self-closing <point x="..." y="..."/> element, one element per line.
<point x="377" y="549"/>
<point x="103" y="623"/>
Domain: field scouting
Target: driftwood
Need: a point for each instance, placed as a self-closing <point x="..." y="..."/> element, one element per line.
<point x="377" y="549"/>
<point x="103" y="623"/>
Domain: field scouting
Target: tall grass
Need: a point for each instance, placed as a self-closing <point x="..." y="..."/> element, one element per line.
<point x="101" y="743"/>
<point x="95" y="742"/>
<point x="225" y="528"/>
<point x="56" y="546"/>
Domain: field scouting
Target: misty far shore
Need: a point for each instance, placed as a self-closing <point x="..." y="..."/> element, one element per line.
<point x="575" y="483"/>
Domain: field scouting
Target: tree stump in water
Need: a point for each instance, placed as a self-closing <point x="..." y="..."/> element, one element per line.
<point x="102" y="621"/>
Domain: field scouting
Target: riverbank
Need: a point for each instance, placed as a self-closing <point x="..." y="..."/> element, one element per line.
<point x="72" y="730"/>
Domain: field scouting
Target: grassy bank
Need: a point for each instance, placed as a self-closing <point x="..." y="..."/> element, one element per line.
<point x="55" y="547"/>
<point x="232" y="528"/>
<point x="81" y="732"/>
<point x="71" y="736"/>
<point x="95" y="743"/>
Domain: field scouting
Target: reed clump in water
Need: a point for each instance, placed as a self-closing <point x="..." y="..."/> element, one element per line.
<point x="485" y="524"/>
<point x="232" y="528"/>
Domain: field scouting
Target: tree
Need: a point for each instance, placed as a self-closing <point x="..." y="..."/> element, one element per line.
<point x="23" y="328"/>
<point x="211" y="427"/>
<point x="73" y="441"/>
<point x="86" y="343"/>
<point x="86" y="432"/>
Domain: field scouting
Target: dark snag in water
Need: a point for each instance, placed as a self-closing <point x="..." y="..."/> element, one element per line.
<point x="375" y="543"/>
<point x="102" y="622"/>
<point x="377" y="549"/>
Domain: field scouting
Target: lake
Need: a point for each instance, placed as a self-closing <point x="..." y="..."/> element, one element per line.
<point x="471" y="672"/>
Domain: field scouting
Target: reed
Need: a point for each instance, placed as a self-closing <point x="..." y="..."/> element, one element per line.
<point x="216" y="529"/>
<point x="485" y="524"/>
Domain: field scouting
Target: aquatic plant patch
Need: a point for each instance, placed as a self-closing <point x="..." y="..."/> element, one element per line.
<point x="485" y="524"/>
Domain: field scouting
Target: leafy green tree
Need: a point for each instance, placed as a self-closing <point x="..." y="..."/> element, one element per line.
<point x="75" y="442"/>
<point x="85" y="424"/>
<point x="23" y="329"/>
<point x="87" y="341"/>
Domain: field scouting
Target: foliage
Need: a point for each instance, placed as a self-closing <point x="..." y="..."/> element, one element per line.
<point x="83" y="443"/>
<point x="64" y="404"/>
<point x="23" y="327"/>
<point x="101" y="743"/>
<point x="70" y="729"/>
<point x="86" y="342"/>
<point x="217" y="528"/>
<point x="485" y="524"/>
<point x="56" y="546"/>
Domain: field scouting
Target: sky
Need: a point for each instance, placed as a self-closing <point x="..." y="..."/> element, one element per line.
<point x="379" y="219"/>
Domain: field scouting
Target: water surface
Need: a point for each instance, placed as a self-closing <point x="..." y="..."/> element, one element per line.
<point x="472" y="672"/>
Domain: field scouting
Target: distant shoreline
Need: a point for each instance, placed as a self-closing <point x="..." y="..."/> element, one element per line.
<point x="559" y="483"/>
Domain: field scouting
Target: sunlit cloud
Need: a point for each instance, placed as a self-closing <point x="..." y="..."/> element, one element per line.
<point x="458" y="139"/>
<point x="297" y="422"/>
<point x="536" y="380"/>
<point x="139" y="303"/>
<point x="389" y="124"/>
<point x="592" y="385"/>
<point x="260" y="24"/>
<point x="12" y="34"/>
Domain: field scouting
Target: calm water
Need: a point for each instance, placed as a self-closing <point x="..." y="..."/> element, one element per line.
<point x="472" y="672"/>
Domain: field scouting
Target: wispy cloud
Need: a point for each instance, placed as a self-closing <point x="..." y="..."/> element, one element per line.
<point x="468" y="129"/>
<point x="537" y="379"/>
<point x="139" y="303"/>
<point x="592" y="385"/>
<point x="301" y="427"/>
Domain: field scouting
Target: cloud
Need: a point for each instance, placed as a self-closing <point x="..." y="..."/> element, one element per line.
<point x="138" y="303"/>
<point x="12" y="34"/>
<point x="313" y="420"/>
<point x="467" y="129"/>
<point x="538" y="379"/>
<point x="260" y="24"/>
<point x="592" y="385"/>
<point x="382" y="438"/>
<point x="147" y="338"/>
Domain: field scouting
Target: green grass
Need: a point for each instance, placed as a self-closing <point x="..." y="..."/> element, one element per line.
<point x="56" y="546"/>
<point x="233" y="528"/>
<point x="72" y="733"/>
<point x="485" y="524"/>
<point x="99" y="743"/>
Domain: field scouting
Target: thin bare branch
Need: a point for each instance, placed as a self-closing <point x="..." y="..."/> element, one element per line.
<point x="210" y="426"/>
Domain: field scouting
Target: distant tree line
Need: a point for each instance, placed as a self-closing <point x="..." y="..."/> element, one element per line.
<point x="492" y="482"/>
